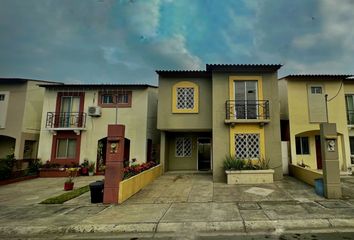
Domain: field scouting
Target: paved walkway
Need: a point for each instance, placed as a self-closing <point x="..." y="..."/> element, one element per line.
<point x="188" y="203"/>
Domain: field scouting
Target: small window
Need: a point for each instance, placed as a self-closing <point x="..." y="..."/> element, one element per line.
<point x="2" y="97"/>
<point x="66" y="148"/>
<point x="107" y="99"/>
<point x="123" y="98"/>
<point x="316" y="90"/>
<point x="302" y="145"/>
<point x="183" y="147"/>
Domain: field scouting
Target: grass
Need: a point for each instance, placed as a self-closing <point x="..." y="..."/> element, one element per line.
<point x="66" y="196"/>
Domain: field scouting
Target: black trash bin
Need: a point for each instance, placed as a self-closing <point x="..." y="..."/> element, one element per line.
<point x="96" y="189"/>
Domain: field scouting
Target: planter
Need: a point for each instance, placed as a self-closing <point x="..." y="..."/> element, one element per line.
<point x="90" y="173"/>
<point x="68" y="186"/>
<point x="249" y="176"/>
<point x="130" y="186"/>
<point x="84" y="171"/>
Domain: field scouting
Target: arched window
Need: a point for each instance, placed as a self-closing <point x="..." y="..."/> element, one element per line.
<point x="185" y="97"/>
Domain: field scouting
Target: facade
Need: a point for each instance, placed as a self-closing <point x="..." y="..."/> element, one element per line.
<point x="21" y="102"/>
<point x="303" y="108"/>
<point x="226" y="109"/>
<point x="76" y="117"/>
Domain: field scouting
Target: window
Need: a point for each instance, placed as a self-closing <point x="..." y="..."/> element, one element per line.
<point x="112" y="99"/>
<point x="351" y="141"/>
<point x="66" y="148"/>
<point x="2" y="97"/>
<point x="349" y="101"/>
<point x="107" y="99"/>
<point x="302" y="145"/>
<point x="247" y="145"/>
<point x="185" y="98"/>
<point x="183" y="147"/>
<point x="123" y="98"/>
<point x="316" y="90"/>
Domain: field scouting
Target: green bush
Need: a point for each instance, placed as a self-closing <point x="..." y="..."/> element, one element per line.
<point x="34" y="165"/>
<point x="6" y="166"/>
<point x="233" y="163"/>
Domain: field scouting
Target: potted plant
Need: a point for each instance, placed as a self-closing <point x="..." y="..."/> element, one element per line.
<point x="91" y="168"/>
<point x="247" y="171"/>
<point x="84" y="167"/>
<point x="69" y="183"/>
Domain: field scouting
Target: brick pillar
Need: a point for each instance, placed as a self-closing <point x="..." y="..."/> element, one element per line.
<point x="114" y="162"/>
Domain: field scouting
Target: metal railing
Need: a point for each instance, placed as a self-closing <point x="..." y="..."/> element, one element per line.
<point x="250" y="109"/>
<point x="350" y="117"/>
<point x="66" y="120"/>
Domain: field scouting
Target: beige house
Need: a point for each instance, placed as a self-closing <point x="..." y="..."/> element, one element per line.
<point x="76" y="116"/>
<point x="303" y="108"/>
<point x="226" y="109"/>
<point x="21" y="102"/>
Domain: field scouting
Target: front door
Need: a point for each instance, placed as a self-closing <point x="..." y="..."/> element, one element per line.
<point x="69" y="111"/>
<point x="246" y="99"/>
<point x="204" y="154"/>
<point x="318" y="152"/>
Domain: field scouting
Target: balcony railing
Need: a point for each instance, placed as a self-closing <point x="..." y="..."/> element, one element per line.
<point x="350" y="117"/>
<point x="66" y="120"/>
<point x="251" y="110"/>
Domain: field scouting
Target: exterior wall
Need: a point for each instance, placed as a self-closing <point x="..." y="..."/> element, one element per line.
<point x="182" y="163"/>
<point x="23" y="113"/>
<point x="283" y="97"/>
<point x="151" y="131"/>
<point x="167" y="120"/>
<point x="221" y="132"/>
<point x="135" y="120"/>
<point x="300" y="121"/>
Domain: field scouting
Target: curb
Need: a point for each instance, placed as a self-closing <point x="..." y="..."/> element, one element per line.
<point x="230" y="226"/>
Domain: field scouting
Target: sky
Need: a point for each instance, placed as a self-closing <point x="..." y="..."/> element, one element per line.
<point x="125" y="41"/>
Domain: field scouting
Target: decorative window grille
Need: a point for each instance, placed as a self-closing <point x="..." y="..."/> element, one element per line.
<point x="247" y="145"/>
<point x="183" y="147"/>
<point x="185" y="98"/>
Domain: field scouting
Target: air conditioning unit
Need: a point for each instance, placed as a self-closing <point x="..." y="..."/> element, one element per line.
<point x="94" y="111"/>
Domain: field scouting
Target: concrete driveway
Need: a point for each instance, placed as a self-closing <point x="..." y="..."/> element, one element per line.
<point x="36" y="190"/>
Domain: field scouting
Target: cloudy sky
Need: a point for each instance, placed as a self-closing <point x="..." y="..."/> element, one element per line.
<point x="127" y="40"/>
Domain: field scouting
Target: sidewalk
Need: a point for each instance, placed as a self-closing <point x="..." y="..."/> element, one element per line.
<point x="187" y="204"/>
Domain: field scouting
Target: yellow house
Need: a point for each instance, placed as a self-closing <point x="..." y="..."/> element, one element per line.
<point x="75" y="119"/>
<point x="303" y="106"/>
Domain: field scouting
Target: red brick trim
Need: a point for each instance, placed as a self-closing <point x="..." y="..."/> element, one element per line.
<point x="115" y="104"/>
<point x="64" y="135"/>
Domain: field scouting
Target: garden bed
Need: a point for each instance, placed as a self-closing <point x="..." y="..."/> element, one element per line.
<point x="53" y="172"/>
<point x="17" y="179"/>
<point x="132" y="185"/>
<point x="249" y="176"/>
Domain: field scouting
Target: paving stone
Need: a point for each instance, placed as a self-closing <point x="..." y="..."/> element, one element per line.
<point x="334" y="204"/>
<point x="248" y="206"/>
<point x="253" y="215"/>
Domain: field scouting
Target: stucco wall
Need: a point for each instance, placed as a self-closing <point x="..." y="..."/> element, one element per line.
<point x="134" y="119"/>
<point x="299" y="115"/>
<point x="184" y="121"/>
<point x="283" y="99"/>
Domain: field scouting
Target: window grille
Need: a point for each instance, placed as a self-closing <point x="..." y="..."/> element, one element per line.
<point x="247" y="145"/>
<point x="183" y="147"/>
<point x="185" y="98"/>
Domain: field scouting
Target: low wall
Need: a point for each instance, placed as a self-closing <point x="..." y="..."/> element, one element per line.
<point x="304" y="174"/>
<point x="130" y="186"/>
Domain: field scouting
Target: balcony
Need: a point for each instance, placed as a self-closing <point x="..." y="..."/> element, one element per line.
<point x="251" y="111"/>
<point x="75" y="121"/>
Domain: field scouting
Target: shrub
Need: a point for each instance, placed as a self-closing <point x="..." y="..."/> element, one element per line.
<point x="34" y="166"/>
<point x="6" y="166"/>
<point x="136" y="169"/>
<point x="233" y="163"/>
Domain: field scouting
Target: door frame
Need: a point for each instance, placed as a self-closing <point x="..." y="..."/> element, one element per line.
<point x="318" y="149"/>
<point x="211" y="152"/>
<point x="245" y="95"/>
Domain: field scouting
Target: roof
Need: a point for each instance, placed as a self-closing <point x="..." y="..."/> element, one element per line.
<point x="241" y="68"/>
<point x="96" y="85"/>
<point x="183" y="73"/>
<point x="318" y="76"/>
<point x="22" y="80"/>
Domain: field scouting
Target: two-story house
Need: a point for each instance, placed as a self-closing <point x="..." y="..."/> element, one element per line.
<point x="230" y="109"/>
<point x="304" y="106"/>
<point x="21" y="102"/>
<point x="76" y="116"/>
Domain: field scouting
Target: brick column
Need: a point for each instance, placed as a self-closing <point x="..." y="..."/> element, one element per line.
<point x="114" y="162"/>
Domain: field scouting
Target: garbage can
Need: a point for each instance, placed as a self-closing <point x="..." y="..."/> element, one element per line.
<point x="319" y="187"/>
<point x="96" y="189"/>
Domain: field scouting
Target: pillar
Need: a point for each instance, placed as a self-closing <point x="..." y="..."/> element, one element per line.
<point x="114" y="162"/>
<point x="330" y="160"/>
